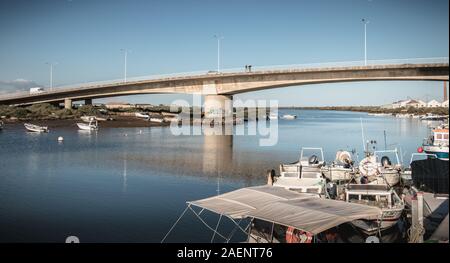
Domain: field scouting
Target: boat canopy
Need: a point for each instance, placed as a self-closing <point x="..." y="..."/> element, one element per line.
<point x="280" y="206"/>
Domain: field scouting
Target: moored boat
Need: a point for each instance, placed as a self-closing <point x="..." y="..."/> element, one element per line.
<point x="92" y="126"/>
<point x="341" y="169"/>
<point x="266" y="214"/>
<point x="378" y="195"/>
<point x="380" y="170"/>
<point x="305" y="175"/>
<point x="272" y="116"/>
<point x="142" y="115"/>
<point x="35" y="128"/>
<point x="437" y="143"/>
<point x="406" y="174"/>
<point x="288" y="117"/>
<point x="157" y="120"/>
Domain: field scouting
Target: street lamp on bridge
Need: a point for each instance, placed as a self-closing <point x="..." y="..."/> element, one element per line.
<point x="51" y="73"/>
<point x="125" y="66"/>
<point x="218" y="51"/>
<point x="365" y="21"/>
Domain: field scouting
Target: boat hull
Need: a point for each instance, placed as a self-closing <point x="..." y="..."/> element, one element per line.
<point x="370" y="227"/>
<point x="337" y="174"/>
<point x="440" y="152"/>
<point x="35" y="128"/>
<point x="86" y="127"/>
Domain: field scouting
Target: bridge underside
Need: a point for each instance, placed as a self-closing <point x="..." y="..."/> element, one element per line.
<point x="234" y="83"/>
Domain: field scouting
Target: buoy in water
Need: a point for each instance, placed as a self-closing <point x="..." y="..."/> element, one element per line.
<point x="60" y="139"/>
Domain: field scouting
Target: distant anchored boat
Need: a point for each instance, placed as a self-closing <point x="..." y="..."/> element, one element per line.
<point x="142" y="115"/>
<point x="157" y="120"/>
<point x="35" y="128"/>
<point x="289" y="117"/>
<point x="92" y="126"/>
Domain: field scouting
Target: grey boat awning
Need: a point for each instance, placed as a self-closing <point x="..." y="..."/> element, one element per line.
<point x="276" y="204"/>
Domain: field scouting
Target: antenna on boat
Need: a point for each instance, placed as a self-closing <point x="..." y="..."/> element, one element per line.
<point x="362" y="136"/>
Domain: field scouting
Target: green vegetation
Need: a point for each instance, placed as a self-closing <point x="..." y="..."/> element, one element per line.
<point x="45" y="111"/>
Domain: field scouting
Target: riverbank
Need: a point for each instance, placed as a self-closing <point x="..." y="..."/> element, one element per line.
<point x="380" y="110"/>
<point x="117" y="122"/>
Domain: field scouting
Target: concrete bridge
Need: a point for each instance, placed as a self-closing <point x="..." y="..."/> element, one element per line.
<point x="219" y="87"/>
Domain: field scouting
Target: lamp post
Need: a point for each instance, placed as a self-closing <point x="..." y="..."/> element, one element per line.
<point x="125" y="66"/>
<point x="365" y="40"/>
<point x="218" y="51"/>
<point x="51" y="73"/>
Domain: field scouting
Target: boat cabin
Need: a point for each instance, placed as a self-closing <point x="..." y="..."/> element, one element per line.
<point x="440" y="137"/>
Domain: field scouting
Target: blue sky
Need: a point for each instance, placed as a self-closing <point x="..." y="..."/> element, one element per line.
<point x="85" y="38"/>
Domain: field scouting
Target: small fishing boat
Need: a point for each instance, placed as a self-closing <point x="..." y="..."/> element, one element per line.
<point x="431" y="117"/>
<point x="341" y="169"/>
<point x="35" y="128"/>
<point x="266" y="214"/>
<point x="381" y="196"/>
<point x="142" y="115"/>
<point x="288" y="117"/>
<point x="272" y="116"/>
<point x="157" y="120"/>
<point x="380" y="170"/>
<point x="92" y="126"/>
<point x="305" y="175"/>
<point x="437" y="143"/>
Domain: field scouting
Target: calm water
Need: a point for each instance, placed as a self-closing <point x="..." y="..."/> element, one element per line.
<point x="130" y="185"/>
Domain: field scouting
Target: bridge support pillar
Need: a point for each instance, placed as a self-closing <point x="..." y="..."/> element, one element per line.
<point x="218" y="106"/>
<point x="88" y="102"/>
<point x="68" y="104"/>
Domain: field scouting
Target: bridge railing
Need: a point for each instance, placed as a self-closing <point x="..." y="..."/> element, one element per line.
<point x="293" y="67"/>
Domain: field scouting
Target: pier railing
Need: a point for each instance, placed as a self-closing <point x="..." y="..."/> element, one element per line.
<point x="293" y="67"/>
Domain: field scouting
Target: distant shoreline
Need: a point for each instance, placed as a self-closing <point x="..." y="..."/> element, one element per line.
<point x="378" y="110"/>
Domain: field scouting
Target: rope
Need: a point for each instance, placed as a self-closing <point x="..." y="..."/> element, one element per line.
<point x="206" y="224"/>
<point x="415" y="233"/>
<point x="176" y="222"/>
<point x="215" y="231"/>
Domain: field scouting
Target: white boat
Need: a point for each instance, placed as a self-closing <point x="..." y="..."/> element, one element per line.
<point x="272" y="116"/>
<point x="288" y="117"/>
<point x="92" y="126"/>
<point x="35" y="128"/>
<point x="305" y="175"/>
<point x="381" y="196"/>
<point x="142" y="115"/>
<point x="275" y="215"/>
<point x="431" y="117"/>
<point x="437" y="143"/>
<point x="341" y="169"/>
<point x="157" y="120"/>
<point x="380" y="170"/>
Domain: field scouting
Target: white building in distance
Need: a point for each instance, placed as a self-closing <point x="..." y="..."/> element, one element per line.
<point x="433" y="104"/>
